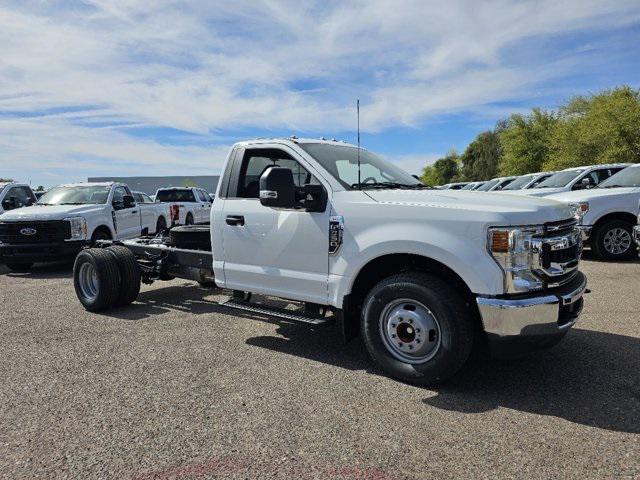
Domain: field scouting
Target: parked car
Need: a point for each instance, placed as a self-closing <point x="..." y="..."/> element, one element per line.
<point x="607" y="213"/>
<point x="188" y="205"/>
<point x="454" y="186"/>
<point x="578" y="178"/>
<point x="473" y="186"/>
<point x="420" y="274"/>
<point x="15" y="195"/>
<point x="496" y="184"/>
<point x="66" y="219"/>
<point x="531" y="180"/>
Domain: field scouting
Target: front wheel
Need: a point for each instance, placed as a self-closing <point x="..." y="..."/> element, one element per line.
<point x="417" y="328"/>
<point x="189" y="219"/>
<point x="161" y="225"/>
<point x="613" y="240"/>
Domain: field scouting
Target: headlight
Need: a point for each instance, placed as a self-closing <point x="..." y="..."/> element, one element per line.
<point x="579" y="210"/>
<point x="78" y="228"/>
<point x="512" y="250"/>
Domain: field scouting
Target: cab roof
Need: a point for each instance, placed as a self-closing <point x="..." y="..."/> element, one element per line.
<point x="293" y="140"/>
<point x="602" y="165"/>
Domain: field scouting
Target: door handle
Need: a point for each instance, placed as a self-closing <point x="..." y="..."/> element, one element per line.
<point x="235" y="220"/>
<point x="134" y="211"/>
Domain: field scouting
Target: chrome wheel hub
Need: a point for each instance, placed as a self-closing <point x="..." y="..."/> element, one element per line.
<point x="88" y="281"/>
<point x="409" y="331"/>
<point x="617" y="241"/>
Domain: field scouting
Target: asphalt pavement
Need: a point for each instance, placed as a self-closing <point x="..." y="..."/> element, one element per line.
<point x="176" y="387"/>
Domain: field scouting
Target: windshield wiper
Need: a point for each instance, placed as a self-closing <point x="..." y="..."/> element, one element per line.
<point x="610" y="186"/>
<point x="71" y="203"/>
<point x="387" y="185"/>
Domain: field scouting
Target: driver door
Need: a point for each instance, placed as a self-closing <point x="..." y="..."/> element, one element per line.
<point x="127" y="219"/>
<point x="281" y="252"/>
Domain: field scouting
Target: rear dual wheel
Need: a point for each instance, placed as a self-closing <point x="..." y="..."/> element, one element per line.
<point x="106" y="277"/>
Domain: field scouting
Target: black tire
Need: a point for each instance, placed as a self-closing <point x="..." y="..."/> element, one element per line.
<point x="107" y="279"/>
<point x="161" y="225"/>
<point x="130" y="278"/>
<point x="19" y="267"/>
<point x="605" y="248"/>
<point x="452" y="317"/>
<point x="189" y="219"/>
<point x="192" y="237"/>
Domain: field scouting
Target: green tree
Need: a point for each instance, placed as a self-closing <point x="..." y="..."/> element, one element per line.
<point x="481" y="159"/>
<point x="526" y="142"/>
<point x="190" y="184"/>
<point x="443" y="170"/>
<point x="600" y="128"/>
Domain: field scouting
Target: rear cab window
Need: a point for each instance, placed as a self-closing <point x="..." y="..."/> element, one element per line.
<point x="185" y="195"/>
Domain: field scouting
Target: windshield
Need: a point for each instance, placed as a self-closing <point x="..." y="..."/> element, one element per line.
<point x="560" y="179"/>
<point x="628" y="177"/>
<point x="342" y="162"/>
<point x="469" y="186"/>
<point x="76" y="195"/>
<point x="519" y="182"/>
<point x="488" y="185"/>
<point x="175" y="196"/>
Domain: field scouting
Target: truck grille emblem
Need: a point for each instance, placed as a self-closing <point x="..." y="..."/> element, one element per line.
<point x="28" y="231"/>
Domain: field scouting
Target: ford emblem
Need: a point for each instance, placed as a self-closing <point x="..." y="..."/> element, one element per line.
<point x="28" y="231"/>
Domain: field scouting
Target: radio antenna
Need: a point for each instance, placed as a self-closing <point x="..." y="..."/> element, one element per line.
<point x="358" y="115"/>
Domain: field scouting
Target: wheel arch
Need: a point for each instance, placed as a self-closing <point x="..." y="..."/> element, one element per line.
<point x="623" y="216"/>
<point x="386" y="265"/>
<point x="103" y="228"/>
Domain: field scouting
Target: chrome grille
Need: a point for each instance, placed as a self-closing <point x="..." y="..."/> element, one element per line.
<point x="556" y="253"/>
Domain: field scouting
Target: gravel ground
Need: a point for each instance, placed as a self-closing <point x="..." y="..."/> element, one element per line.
<point x="177" y="387"/>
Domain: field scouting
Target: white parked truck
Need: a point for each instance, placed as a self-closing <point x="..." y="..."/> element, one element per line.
<point x="421" y="274"/>
<point x="15" y="195"/>
<point x="577" y="178"/>
<point x="189" y="206"/>
<point x="69" y="217"/>
<point x="607" y="213"/>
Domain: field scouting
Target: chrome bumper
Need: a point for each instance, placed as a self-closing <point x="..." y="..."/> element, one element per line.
<point x="546" y="315"/>
<point x="585" y="231"/>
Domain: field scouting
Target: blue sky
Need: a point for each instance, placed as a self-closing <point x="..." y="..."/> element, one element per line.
<point x="132" y="87"/>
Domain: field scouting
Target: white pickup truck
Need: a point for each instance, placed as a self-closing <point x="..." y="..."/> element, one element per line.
<point x="188" y="205"/>
<point x="344" y="237"/>
<point x="69" y="217"/>
<point x="607" y="213"/>
<point x="15" y="195"/>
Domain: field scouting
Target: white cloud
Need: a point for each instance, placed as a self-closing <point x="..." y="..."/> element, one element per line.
<point x="206" y="67"/>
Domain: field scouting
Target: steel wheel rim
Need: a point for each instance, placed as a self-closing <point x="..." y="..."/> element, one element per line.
<point x="88" y="281"/>
<point x="617" y="241"/>
<point x="410" y="331"/>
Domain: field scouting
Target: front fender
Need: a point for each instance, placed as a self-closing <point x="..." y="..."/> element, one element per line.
<point x="463" y="251"/>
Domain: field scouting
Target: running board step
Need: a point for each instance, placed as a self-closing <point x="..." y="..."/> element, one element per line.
<point x="274" y="312"/>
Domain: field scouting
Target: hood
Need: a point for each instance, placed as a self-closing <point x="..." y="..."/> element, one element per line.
<point x="513" y="209"/>
<point x="537" y="192"/>
<point x="595" y="193"/>
<point x="49" y="212"/>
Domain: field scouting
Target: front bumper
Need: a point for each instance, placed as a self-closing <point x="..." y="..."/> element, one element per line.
<point x="585" y="232"/>
<point x="515" y="325"/>
<point x="39" y="252"/>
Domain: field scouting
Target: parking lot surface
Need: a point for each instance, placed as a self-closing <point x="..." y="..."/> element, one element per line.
<point x="176" y="386"/>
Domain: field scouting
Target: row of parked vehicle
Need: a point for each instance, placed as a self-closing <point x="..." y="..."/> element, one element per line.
<point x="68" y="217"/>
<point x="606" y="199"/>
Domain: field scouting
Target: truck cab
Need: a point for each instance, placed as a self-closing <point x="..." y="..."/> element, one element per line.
<point x="190" y="205"/>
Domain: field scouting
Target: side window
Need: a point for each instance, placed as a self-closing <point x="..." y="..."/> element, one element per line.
<point x="202" y="196"/>
<point x="598" y="176"/>
<point x="118" y="196"/>
<point x="144" y="198"/>
<point x="256" y="161"/>
<point x="138" y="197"/>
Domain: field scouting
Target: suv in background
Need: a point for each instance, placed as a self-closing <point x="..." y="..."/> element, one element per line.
<point x="188" y="205"/>
<point x="576" y="178"/>
<point x="15" y="195"/>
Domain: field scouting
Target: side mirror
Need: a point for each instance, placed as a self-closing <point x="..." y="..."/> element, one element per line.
<point x="314" y="198"/>
<point x="129" y="201"/>
<point x="10" y="203"/>
<point x="277" y="188"/>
